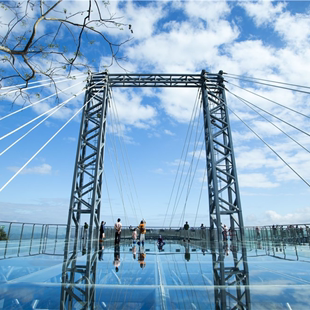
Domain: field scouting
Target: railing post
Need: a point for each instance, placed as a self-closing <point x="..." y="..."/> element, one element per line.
<point x="20" y="239"/>
<point x="31" y="238"/>
<point x="41" y="238"/>
<point x="56" y="239"/>
<point x="7" y="241"/>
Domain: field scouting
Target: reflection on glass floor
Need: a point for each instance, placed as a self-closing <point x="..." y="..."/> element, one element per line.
<point x="180" y="276"/>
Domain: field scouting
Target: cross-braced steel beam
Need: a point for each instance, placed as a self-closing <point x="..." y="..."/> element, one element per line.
<point x="79" y="277"/>
<point x="224" y="197"/>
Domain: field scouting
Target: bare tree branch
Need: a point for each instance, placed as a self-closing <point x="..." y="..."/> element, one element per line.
<point x="27" y="52"/>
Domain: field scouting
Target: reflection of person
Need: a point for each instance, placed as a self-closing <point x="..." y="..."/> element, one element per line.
<point x="187" y="254"/>
<point x="117" y="258"/>
<point x="134" y="236"/>
<point x="186" y="228"/>
<point x="141" y="257"/>
<point x="134" y="252"/>
<point x="257" y="232"/>
<point x="142" y="232"/>
<point x="100" y="254"/>
<point x="226" y="250"/>
<point x="160" y="243"/>
<point x="203" y="231"/>
<point x="118" y="230"/>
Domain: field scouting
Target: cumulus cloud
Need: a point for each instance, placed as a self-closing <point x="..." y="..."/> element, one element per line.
<point x="42" y="169"/>
<point x="169" y="133"/>
<point x="301" y="215"/>
<point x="256" y="180"/>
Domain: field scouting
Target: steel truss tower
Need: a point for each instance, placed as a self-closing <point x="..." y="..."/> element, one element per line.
<point x="224" y="198"/>
<point x="78" y="280"/>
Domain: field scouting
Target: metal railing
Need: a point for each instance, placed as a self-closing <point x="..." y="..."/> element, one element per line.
<point x="26" y="239"/>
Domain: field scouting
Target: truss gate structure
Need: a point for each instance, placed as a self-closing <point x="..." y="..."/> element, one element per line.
<point x="224" y="197"/>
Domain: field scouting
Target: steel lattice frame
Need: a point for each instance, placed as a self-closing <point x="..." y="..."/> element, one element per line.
<point x="86" y="198"/>
<point x="224" y="197"/>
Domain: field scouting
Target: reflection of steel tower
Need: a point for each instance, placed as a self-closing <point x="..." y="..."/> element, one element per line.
<point x="224" y="197"/>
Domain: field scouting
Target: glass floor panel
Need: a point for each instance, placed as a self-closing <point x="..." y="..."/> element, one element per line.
<point x="181" y="275"/>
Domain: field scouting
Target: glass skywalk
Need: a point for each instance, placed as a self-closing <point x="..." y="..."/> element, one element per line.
<point x="178" y="276"/>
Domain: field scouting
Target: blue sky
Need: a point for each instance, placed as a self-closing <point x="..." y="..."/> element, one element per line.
<point x="261" y="39"/>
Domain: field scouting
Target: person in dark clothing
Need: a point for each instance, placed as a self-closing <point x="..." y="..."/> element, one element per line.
<point x="117" y="257"/>
<point x="102" y="229"/>
<point x="160" y="243"/>
<point x="186" y="228"/>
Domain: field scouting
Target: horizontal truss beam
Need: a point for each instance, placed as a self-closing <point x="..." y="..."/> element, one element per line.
<point x="156" y="80"/>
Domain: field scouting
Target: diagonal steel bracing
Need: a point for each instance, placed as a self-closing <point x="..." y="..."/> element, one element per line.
<point x="224" y="197"/>
<point x="86" y="199"/>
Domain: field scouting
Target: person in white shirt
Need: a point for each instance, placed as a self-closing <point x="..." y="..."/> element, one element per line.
<point x="118" y="230"/>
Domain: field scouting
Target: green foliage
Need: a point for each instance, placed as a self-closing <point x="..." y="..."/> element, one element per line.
<point x="3" y="235"/>
<point x="53" y="45"/>
<point x="79" y="54"/>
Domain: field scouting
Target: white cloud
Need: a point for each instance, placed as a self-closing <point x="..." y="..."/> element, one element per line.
<point x="255" y="180"/>
<point x="263" y="11"/>
<point x="178" y="162"/>
<point x="130" y="110"/>
<point x="159" y="171"/>
<point x="301" y="215"/>
<point x="42" y="169"/>
<point x="169" y="133"/>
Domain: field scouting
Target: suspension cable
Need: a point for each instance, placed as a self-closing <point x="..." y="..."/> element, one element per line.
<point x="266" y="84"/>
<point x="278" y="118"/>
<point x="130" y="170"/>
<point x="119" y="186"/>
<point x="33" y="87"/>
<point x="203" y="181"/>
<point x="190" y="182"/>
<point x="45" y="144"/>
<point x="191" y="179"/>
<point x="34" y="103"/>
<point x="279" y="104"/>
<point x="259" y="79"/>
<point x="242" y="100"/>
<point x="111" y="209"/>
<point x="191" y="126"/>
<point x="34" y="127"/>
<point x="126" y="157"/>
<point x="176" y="177"/>
<point x="39" y="116"/>
<point x="270" y="147"/>
<point x="117" y="160"/>
<point x="40" y="81"/>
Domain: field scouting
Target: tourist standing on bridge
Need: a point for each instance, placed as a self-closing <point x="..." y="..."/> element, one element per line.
<point x="224" y="233"/>
<point x="118" y="230"/>
<point x="142" y="232"/>
<point x="85" y="231"/>
<point x="134" y="236"/>
<point x="102" y="229"/>
<point x="186" y="228"/>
